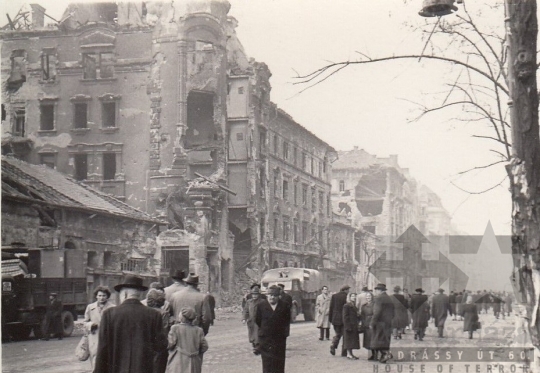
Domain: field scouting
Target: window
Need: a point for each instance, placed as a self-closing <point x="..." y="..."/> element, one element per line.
<point x="262" y="230"/>
<point x="285" y="189"/>
<point x="286" y="230"/>
<point x="320" y="168"/>
<point x="313" y="232"/>
<point x="239" y="136"/>
<point x="321" y="236"/>
<point x="98" y="65"/>
<point x="328" y="205"/>
<point x="48" y="65"/>
<point x="18" y="70"/>
<point x="313" y="200"/>
<point x="342" y="185"/>
<point x="285" y="150"/>
<point x="80" y="115"/>
<point x="48" y="159"/>
<point x="262" y="141"/>
<point x="276" y="145"/>
<point x="19" y="122"/>
<point x="321" y="202"/>
<point x="276" y="222"/>
<point x="312" y="166"/>
<point x="276" y="186"/>
<point x="108" y="114"/>
<point x="305" y="232"/>
<point x="262" y="182"/>
<point x="294" y="155"/>
<point x="109" y="166"/>
<point x="304" y="161"/>
<point x="295" y="193"/>
<point x="304" y="194"/>
<point x="47" y="116"/>
<point x="81" y="166"/>
<point x="295" y="232"/>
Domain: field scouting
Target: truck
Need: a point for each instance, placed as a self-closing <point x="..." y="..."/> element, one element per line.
<point x="27" y="281"/>
<point x="302" y="284"/>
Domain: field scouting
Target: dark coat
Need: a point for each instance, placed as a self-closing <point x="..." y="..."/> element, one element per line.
<point x="351" y="339"/>
<point x="401" y="316"/>
<point x="420" y="311"/>
<point x="336" y="308"/>
<point x="441" y="308"/>
<point x="212" y="304"/>
<point x="129" y="337"/>
<point x="381" y="322"/>
<point x="470" y="317"/>
<point x="366" y="313"/>
<point x="286" y="298"/>
<point x="53" y="317"/>
<point x="273" y="332"/>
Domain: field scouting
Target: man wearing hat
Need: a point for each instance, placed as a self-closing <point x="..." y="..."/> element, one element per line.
<point x="273" y="317"/>
<point x="177" y="285"/>
<point x="248" y="317"/>
<point x="53" y="317"/>
<point x="440" y="310"/>
<point x="284" y="296"/>
<point x="337" y="302"/>
<point x="190" y="296"/>
<point x="131" y="334"/>
<point x="420" y="313"/>
<point x="381" y="323"/>
<point x="401" y="314"/>
<point x="361" y="299"/>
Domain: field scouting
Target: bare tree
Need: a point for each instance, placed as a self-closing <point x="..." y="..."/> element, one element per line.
<point x="498" y="67"/>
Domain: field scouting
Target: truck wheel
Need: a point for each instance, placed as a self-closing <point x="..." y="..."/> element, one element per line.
<point x="294" y="313"/>
<point x="67" y="323"/>
<point x="309" y="311"/>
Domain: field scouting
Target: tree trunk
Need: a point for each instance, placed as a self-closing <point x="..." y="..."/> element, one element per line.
<point x="524" y="171"/>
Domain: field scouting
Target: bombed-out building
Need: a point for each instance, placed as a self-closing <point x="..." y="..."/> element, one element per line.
<point x="157" y="104"/>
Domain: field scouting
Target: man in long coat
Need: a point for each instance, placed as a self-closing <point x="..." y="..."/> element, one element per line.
<point x="190" y="296"/>
<point x="401" y="314"/>
<point x="381" y="323"/>
<point x="420" y="313"/>
<point x="177" y="285"/>
<point x="53" y="317"/>
<point x="130" y="334"/>
<point x="273" y="317"/>
<point x="362" y="297"/>
<point x="322" y="310"/>
<point x="248" y="317"/>
<point x="337" y="302"/>
<point x="440" y="310"/>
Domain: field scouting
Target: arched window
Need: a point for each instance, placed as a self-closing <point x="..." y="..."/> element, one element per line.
<point x="70" y="245"/>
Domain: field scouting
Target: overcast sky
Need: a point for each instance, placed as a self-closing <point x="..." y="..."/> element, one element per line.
<point x="370" y="106"/>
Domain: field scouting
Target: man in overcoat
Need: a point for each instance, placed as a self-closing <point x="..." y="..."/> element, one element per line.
<point x="401" y="314"/>
<point x="322" y="311"/>
<point x="177" y="285"/>
<point x="381" y="323"/>
<point x="420" y="313"/>
<point x="337" y="302"/>
<point x="440" y="309"/>
<point x="53" y="317"/>
<point x="131" y="334"/>
<point x="190" y="296"/>
<point x="361" y="299"/>
<point x="273" y="317"/>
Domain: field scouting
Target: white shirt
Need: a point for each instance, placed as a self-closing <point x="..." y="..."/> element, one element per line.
<point x="273" y="306"/>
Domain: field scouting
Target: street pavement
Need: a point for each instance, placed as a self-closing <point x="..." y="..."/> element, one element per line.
<point x="230" y="351"/>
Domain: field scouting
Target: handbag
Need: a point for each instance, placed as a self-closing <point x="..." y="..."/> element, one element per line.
<point x="477" y="325"/>
<point x="82" y="350"/>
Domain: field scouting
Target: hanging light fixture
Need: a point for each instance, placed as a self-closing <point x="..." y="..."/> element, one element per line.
<point x="437" y="8"/>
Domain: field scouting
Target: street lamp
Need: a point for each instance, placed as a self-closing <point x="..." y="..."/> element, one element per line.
<point x="438" y="8"/>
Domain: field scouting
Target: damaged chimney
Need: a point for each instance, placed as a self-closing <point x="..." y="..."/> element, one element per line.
<point x="38" y="16"/>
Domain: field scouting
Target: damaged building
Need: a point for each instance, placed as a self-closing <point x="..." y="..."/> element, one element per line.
<point x="89" y="233"/>
<point x="158" y="105"/>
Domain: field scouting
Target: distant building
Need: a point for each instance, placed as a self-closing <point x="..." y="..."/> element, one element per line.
<point x="90" y="234"/>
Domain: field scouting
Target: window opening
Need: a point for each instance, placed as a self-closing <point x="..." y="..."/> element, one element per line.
<point x="47" y="117"/>
<point x="81" y="166"/>
<point x="81" y="115"/>
<point x="108" y="114"/>
<point x="109" y="166"/>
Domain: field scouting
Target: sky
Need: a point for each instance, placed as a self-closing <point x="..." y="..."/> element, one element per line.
<point x="373" y="106"/>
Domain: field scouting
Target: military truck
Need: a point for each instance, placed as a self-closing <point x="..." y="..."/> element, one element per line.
<point x="27" y="281"/>
<point x="302" y="284"/>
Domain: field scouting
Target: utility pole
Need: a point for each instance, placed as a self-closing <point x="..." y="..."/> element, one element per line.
<point x="524" y="169"/>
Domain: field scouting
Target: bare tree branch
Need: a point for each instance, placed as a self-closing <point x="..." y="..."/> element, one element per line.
<point x="480" y="192"/>
<point x="481" y="167"/>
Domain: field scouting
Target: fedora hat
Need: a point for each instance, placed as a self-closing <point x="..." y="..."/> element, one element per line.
<point x="380" y="287"/>
<point x="419" y="290"/>
<point x="131" y="281"/>
<point x="345" y="287"/>
<point x="177" y="274"/>
<point x="192" y="279"/>
<point x="397" y="288"/>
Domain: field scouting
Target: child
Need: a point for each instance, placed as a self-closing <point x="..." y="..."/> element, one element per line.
<point x="186" y="344"/>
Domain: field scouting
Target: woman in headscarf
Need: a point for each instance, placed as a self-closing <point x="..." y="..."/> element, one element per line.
<point x="186" y="344"/>
<point x="351" y="339"/>
<point x="469" y="311"/>
<point x="92" y="319"/>
<point x="365" y="315"/>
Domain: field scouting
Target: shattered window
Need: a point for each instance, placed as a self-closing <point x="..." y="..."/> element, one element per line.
<point x="81" y="166"/>
<point x="109" y="166"/>
<point x="108" y="114"/>
<point x="19" y="122"/>
<point x="48" y="159"/>
<point x="18" y="69"/>
<point x="98" y="65"/>
<point x="48" y="66"/>
<point x="47" y="116"/>
<point x="80" y="119"/>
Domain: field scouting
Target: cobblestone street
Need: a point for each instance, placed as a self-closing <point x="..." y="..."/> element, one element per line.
<point x="229" y="351"/>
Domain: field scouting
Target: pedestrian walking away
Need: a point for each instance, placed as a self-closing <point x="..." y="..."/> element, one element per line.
<point x="470" y="317"/>
<point x="273" y="317"/>
<point x="190" y="296"/>
<point x="337" y="302"/>
<point x="420" y="313"/>
<point x="440" y="310"/>
<point x="401" y="314"/>
<point x="381" y="323"/>
<point x="156" y="299"/>
<point x="177" y="285"/>
<point x="322" y="310"/>
<point x="131" y="334"/>
<point x="53" y="317"/>
<point x="186" y="344"/>
<point x="351" y="339"/>
<point x="92" y="319"/>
